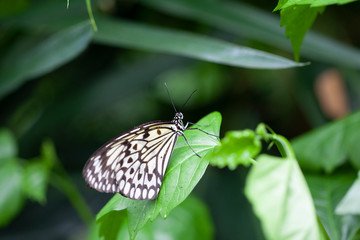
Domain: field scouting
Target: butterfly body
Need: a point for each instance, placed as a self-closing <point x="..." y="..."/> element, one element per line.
<point x="134" y="163"/>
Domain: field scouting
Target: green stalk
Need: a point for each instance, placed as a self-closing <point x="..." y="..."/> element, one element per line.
<point x="63" y="182"/>
<point x="91" y="16"/>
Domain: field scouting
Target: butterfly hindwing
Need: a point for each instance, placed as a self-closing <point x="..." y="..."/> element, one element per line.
<point x="134" y="163"/>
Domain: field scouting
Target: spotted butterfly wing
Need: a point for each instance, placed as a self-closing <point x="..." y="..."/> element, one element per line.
<point x="134" y="163"/>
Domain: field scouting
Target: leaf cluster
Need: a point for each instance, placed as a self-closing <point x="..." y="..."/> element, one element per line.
<point x="22" y="179"/>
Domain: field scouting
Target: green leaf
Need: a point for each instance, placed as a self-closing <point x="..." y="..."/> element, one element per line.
<point x="312" y="3"/>
<point x="281" y="199"/>
<point x="190" y="219"/>
<point x="35" y="179"/>
<point x="11" y="198"/>
<point x="32" y="58"/>
<point x="350" y="203"/>
<point x="330" y="146"/>
<point x="8" y="147"/>
<point x="237" y="147"/>
<point x="297" y="21"/>
<point x="256" y="24"/>
<point x="185" y="168"/>
<point x="126" y="34"/>
<point x="183" y="173"/>
<point x="113" y="226"/>
<point x="50" y="16"/>
<point x="48" y="154"/>
<point x="37" y="172"/>
<point x="327" y="191"/>
<point x="237" y="18"/>
<point x="138" y="211"/>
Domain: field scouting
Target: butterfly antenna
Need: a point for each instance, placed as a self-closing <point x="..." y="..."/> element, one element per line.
<point x="167" y="90"/>
<point x="188" y="99"/>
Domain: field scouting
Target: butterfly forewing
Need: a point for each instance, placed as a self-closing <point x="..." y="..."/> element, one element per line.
<point x="134" y="163"/>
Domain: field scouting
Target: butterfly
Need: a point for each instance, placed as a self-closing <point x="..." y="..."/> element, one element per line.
<point x="134" y="163"/>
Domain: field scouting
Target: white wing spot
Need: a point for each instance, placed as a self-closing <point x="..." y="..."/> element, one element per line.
<point x="127" y="188"/>
<point x="144" y="193"/>
<point x="151" y="193"/>
<point x="97" y="169"/>
<point x="137" y="193"/>
<point x="132" y="192"/>
<point x="117" y="167"/>
<point x="122" y="184"/>
<point x="119" y="175"/>
<point x="105" y="174"/>
<point x="96" y="161"/>
<point x="109" y="152"/>
<point x="113" y="157"/>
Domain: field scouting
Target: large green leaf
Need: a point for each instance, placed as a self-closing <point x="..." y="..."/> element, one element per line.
<point x="50" y="16"/>
<point x="238" y="18"/>
<point x="32" y="57"/>
<point x="183" y="173"/>
<point x="256" y="24"/>
<point x="327" y="191"/>
<point x="330" y="146"/>
<point x="190" y="219"/>
<point x="145" y="37"/>
<point x="281" y="199"/>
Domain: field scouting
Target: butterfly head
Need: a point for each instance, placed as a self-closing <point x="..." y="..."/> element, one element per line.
<point x="178" y="120"/>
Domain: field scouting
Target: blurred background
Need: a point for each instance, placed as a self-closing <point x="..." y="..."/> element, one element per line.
<point x="104" y="89"/>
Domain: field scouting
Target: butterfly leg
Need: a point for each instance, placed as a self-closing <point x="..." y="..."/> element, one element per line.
<point x="206" y="125"/>
<point x="202" y="131"/>
<point x="182" y="134"/>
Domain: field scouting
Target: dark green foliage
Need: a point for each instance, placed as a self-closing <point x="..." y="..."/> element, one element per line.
<point x="65" y="80"/>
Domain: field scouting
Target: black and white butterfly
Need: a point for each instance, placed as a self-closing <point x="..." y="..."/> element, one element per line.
<point x="134" y="163"/>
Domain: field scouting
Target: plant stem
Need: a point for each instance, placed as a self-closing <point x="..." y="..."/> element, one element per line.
<point x="64" y="183"/>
